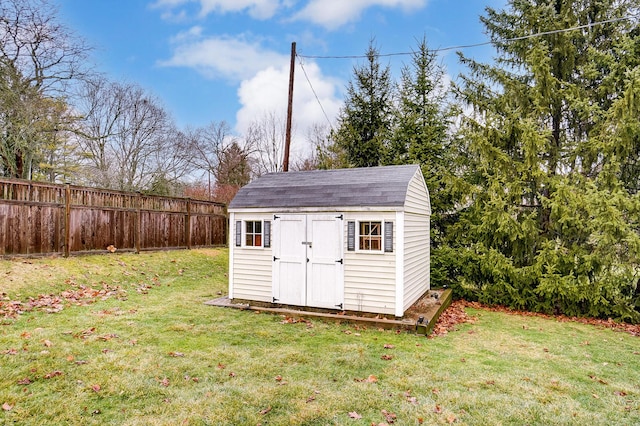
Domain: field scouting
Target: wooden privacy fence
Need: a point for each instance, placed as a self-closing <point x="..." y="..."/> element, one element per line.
<point x="42" y="218"/>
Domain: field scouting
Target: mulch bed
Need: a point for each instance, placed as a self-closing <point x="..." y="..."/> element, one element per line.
<point x="455" y="315"/>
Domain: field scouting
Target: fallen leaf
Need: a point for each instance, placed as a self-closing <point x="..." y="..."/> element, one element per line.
<point x="595" y="396"/>
<point x="278" y="378"/>
<point x="437" y="409"/>
<point x="95" y="387"/>
<point x="176" y="354"/>
<point x="47" y="343"/>
<point x="389" y="416"/>
<point x="354" y="415"/>
<point x="451" y="418"/>
<point x="265" y="410"/>
<point x="386" y="357"/>
<point x="221" y="366"/>
<point x="232" y="374"/>
<point x="70" y="358"/>
<point x="11" y="351"/>
<point x="25" y="381"/>
<point x="388" y="346"/>
<point x="620" y="393"/>
<point x="108" y="337"/>
<point x="53" y="374"/>
<point x="311" y="399"/>
<point x="164" y="382"/>
<point x="7" y="407"/>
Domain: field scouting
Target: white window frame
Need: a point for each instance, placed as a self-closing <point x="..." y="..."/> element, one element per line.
<point x="357" y="242"/>
<point x="244" y="234"/>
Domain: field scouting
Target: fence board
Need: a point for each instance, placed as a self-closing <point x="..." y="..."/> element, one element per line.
<point x="42" y="218"/>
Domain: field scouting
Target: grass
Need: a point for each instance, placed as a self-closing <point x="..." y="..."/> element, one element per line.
<point x="153" y="354"/>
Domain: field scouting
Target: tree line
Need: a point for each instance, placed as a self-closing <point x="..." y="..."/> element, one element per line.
<point x="532" y="161"/>
<point x="61" y="121"/>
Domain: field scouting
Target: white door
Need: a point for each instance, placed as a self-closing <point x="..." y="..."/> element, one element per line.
<point x="289" y="260"/>
<point x="325" y="276"/>
<point x="308" y="267"/>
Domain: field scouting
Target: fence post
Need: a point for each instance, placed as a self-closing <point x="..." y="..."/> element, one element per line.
<point x="188" y="224"/>
<point x="67" y="220"/>
<point x="138" y="222"/>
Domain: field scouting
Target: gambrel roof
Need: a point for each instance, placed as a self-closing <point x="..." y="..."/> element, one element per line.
<point x="358" y="187"/>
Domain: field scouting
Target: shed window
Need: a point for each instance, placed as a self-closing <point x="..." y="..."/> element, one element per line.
<point x="253" y="233"/>
<point x="370" y="236"/>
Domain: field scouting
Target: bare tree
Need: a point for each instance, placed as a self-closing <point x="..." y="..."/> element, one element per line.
<point x="128" y="139"/>
<point x="217" y="153"/>
<point x="36" y="44"/>
<point x="39" y="58"/>
<point x="265" y="138"/>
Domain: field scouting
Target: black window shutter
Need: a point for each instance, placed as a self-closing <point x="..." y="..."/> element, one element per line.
<point x="351" y="236"/>
<point x="267" y="234"/>
<point x="238" y="233"/>
<point x="388" y="237"/>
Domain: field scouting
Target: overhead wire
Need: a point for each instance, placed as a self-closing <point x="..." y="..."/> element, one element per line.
<point x="443" y="49"/>
<point x="466" y="46"/>
<point x="304" y="71"/>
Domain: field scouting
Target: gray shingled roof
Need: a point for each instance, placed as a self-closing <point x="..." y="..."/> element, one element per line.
<point x="361" y="187"/>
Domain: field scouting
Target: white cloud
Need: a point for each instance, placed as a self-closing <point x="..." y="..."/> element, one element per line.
<point x="257" y="9"/>
<point x="333" y="14"/>
<point x="221" y="56"/>
<point x="267" y="92"/>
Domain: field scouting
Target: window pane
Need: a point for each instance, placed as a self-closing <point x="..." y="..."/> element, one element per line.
<point x="375" y="244"/>
<point x="257" y="227"/>
<point x="375" y="228"/>
<point x="249" y="240"/>
<point x="258" y="240"/>
<point x="249" y="227"/>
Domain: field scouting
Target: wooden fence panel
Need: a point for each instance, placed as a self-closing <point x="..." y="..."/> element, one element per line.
<point x="41" y="218"/>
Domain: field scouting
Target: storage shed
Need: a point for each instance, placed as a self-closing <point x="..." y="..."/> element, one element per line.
<point x="346" y="239"/>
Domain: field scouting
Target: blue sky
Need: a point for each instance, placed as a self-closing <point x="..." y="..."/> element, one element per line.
<point x="215" y="60"/>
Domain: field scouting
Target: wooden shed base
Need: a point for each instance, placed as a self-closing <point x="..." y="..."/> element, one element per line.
<point x="429" y="306"/>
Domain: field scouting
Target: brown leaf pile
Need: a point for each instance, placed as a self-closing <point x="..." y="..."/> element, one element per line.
<point x="51" y="303"/>
<point x="450" y="318"/>
<point x="455" y="315"/>
<point x="633" y="329"/>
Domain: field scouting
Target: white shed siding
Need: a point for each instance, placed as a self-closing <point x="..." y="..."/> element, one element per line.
<point x="417" y="200"/>
<point x="416" y="257"/>
<point x="251" y="266"/>
<point x="369" y="278"/>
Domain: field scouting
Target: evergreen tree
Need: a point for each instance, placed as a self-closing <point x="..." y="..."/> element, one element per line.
<point x="551" y="218"/>
<point x="421" y="135"/>
<point x="421" y="130"/>
<point x="364" y="122"/>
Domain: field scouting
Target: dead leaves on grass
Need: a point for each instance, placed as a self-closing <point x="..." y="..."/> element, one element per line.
<point x="50" y="303"/>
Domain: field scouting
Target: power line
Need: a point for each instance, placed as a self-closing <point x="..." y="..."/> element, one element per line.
<point x="466" y="46"/>
<point x="314" y="92"/>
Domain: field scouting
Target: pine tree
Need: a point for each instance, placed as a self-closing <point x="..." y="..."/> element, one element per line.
<point x="421" y="130"/>
<point x="365" y="120"/>
<point x="551" y="222"/>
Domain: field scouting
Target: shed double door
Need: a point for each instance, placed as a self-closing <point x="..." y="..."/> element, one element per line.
<point x="308" y="260"/>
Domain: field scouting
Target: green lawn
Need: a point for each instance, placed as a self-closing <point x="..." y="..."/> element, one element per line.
<point x="147" y="351"/>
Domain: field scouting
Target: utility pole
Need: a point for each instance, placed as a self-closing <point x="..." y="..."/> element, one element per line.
<point x="287" y="139"/>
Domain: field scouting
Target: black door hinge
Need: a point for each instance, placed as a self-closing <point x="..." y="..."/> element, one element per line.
<point x="275" y="258"/>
